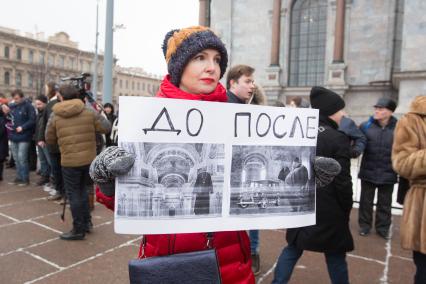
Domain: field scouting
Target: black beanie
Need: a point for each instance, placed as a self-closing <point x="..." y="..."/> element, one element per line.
<point x="327" y="101"/>
<point x="180" y="46"/>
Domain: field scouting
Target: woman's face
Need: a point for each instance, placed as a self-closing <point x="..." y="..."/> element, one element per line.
<point x="108" y="110"/>
<point x="201" y="74"/>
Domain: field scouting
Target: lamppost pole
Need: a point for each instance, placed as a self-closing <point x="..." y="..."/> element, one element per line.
<point x="108" y="56"/>
<point x="95" y="68"/>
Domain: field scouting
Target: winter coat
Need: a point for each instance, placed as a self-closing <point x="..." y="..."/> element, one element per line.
<point x="297" y="176"/>
<point x="47" y="112"/>
<point x="331" y="233"/>
<point x="4" y="147"/>
<point x="39" y="129"/>
<point x="23" y="116"/>
<point x="232" y="98"/>
<point x="356" y="136"/>
<point x="111" y="118"/>
<point x="72" y="126"/>
<point x="376" y="164"/>
<point x="409" y="160"/>
<point x="233" y="248"/>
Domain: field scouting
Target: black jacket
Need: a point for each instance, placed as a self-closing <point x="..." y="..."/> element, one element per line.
<point x="232" y="98"/>
<point x="40" y="126"/>
<point x="47" y="112"/>
<point x="333" y="202"/>
<point x="356" y="136"/>
<point x="376" y="164"/>
<point x="4" y="147"/>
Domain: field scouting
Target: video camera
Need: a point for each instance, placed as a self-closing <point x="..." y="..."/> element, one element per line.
<point x="82" y="83"/>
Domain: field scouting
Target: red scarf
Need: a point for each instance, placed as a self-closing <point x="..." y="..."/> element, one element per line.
<point x="168" y="90"/>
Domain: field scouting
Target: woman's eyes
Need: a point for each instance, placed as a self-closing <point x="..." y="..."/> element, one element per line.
<point x="217" y="60"/>
<point x="202" y="57"/>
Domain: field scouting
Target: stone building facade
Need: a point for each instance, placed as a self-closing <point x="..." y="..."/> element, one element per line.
<point x="133" y="81"/>
<point x="28" y="61"/>
<point x="362" y="49"/>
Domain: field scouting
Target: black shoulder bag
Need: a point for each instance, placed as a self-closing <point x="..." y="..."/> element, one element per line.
<point x="181" y="268"/>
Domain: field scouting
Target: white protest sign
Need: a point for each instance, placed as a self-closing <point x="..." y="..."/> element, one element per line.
<point x="209" y="166"/>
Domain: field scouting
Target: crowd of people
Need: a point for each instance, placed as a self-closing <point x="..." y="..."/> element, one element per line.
<point x="65" y="129"/>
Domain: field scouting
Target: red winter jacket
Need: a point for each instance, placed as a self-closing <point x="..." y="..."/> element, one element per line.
<point x="233" y="248"/>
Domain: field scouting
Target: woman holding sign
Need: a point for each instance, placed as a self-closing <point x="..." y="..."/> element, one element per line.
<point x="196" y="60"/>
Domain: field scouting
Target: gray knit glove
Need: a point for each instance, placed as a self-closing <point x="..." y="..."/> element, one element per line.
<point x="110" y="163"/>
<point x="326" y="169"/>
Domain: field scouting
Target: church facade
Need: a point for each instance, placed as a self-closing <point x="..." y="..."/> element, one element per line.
<point x="362" y="49"/>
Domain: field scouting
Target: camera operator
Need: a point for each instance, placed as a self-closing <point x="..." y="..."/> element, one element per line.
<point x="72" y="126"/>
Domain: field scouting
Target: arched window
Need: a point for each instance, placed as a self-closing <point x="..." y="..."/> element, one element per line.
<point x="6" y="52"/>
<point x="18" y="80"/>
<point x="307" y="43"/>
<point x="6" y="78"/>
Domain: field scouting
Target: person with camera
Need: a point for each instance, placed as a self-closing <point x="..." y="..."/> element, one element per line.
<point x="72" y="126"/>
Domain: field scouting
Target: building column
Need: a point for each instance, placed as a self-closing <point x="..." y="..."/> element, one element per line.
<point x="276" y="30"/>
<point x="203" y="13"/>
<point x="273" y="86"/>
<point x="339" y="31"/>
<point x="336" y="73"/>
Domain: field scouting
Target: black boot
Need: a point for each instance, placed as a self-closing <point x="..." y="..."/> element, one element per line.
<point x="88" y="227"/>
<point x="73" y="235"/>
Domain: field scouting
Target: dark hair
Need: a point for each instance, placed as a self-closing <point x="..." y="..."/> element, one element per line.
<point x="68" y="92"/>
<point x="279" y="103"/>
<point x="42" y="98"/>
<point x="52" y="88"/>
<point x="297" y="101"/>
<point x="236" y="72"/>
<point x="17" y="92"/>
<point x="110" y="106"/>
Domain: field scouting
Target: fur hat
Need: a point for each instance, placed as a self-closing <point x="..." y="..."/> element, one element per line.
<point x="327" y="101"/>
<point x="179" y="46"/>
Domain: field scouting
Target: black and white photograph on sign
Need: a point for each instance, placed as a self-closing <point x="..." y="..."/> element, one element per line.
<point x="172" y="180"/>
<point x="272" y="180"/>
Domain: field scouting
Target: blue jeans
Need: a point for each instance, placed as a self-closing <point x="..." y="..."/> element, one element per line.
<point x="20" y="154"/>
<point x="254" y="241"/>
<point x="44" y="158"/>
<point x="336" y="265"/>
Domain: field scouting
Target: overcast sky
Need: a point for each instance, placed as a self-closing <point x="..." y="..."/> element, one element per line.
<point x="137" y="45"/>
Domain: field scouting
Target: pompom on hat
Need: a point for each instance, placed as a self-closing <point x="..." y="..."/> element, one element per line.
<point x="181" y="45"/>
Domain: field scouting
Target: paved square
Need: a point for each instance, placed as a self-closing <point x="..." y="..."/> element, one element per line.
<point x="31" y="252"/>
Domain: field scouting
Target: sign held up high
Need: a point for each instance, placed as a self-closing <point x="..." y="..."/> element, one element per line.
<point x="208" y="166"/>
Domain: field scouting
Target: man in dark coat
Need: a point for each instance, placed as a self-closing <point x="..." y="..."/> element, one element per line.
<point x="376" y="169"/>
<point x="298" y="175"/>
<point x="4" y="147"/>
<point x="331" y="234"/>
<point x="24" y="117"/>
<point x="43" y="154"/>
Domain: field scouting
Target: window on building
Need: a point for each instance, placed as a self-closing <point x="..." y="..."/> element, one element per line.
<point x="62" y="61"/>
<point x="18" y="53"/>
<point x="307" y="43"/>
<point x="51" y="60"/>
<point x="81" y="64"/>
<point x="30" y="80"/>
<point x="7" y="78"/>
<point x="127" y="84"/>
<point x="120" y="83"/>
<point x="143" y="86"/>
<point x="6" y="51"/>
<point x="72" y="62"/>
<point x="42" y="57"/>
<point x="133" y="85"/>
<point x="31" y="56"/>
<point x="138" y="86"/>
<point x="18" y="80"/>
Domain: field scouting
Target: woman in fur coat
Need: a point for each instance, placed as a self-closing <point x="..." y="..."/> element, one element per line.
<point x="409" y="160"/>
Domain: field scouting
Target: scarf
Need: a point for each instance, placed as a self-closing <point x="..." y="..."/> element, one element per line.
<point x="168" y="90"/>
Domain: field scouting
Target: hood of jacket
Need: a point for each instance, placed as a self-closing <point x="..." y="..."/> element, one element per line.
<point x="68" y="108"/>
<point x="418" y="105"/>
